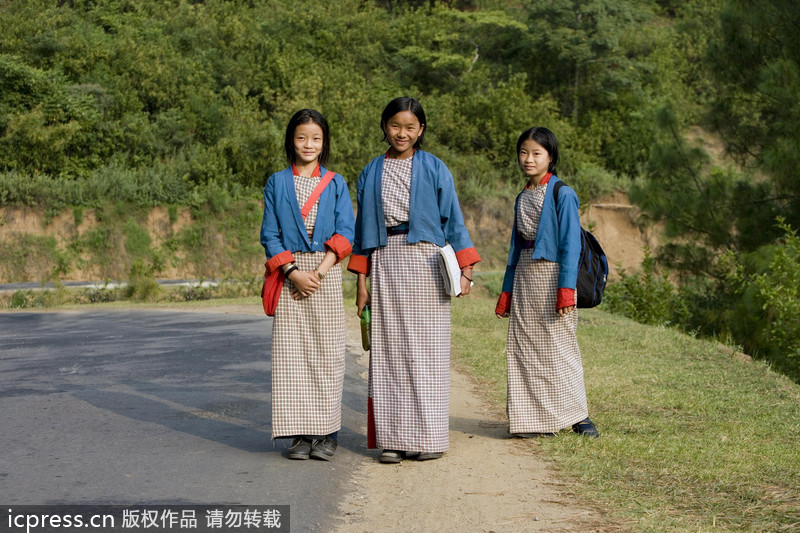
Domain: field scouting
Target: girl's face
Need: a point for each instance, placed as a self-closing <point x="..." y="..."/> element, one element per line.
<point x="308" y="143"/>
<point x="402" y="131"/>
<point x="534" y="160"/>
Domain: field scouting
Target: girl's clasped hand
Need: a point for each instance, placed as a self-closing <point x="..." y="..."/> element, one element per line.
<point x="305" y="284"/>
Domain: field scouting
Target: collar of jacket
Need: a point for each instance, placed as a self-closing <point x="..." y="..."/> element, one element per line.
<point x="286" y="183"/>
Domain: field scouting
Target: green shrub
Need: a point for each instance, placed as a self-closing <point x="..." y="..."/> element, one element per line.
<point x="77" y="215"/>
<point x="591" y="182"/>
<point x="30" y="299"/>
<point x="198" y="292"/>
<point x="172" y="213"/>
<point x="766" y="319"/>
<point x="145" y="186"/>
<point x="142" y="284"/>
<point x="780" y="291"/>
<point x="646" y="297"/>
<point x="137" y="239"/>
<point x="242" y="287"/>
<point x="22" y="299"/>
<point x="101" y="295"/>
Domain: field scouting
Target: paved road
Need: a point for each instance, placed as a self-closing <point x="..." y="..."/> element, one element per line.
<point x="138" y="407"/>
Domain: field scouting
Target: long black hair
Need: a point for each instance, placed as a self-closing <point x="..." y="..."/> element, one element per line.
<point x="548" y="141"/>
<point x="304" y="116"/>
<point x="404" y="103"/>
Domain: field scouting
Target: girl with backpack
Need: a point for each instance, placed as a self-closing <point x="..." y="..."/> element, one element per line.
<point x="307" y="229"/>
<point x="546" y="392"/>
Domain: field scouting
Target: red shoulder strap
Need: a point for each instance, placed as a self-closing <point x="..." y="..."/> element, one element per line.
<point x="317" y="192"/>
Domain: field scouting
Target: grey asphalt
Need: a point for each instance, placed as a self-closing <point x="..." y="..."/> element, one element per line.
<point x="157" y="407"/>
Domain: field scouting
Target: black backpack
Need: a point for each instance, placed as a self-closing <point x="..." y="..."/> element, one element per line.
<point x="592" y="266"/>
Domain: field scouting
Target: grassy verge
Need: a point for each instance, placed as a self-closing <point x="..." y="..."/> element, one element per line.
<point x="693" y="439"/>
<point x="145" y="289"/>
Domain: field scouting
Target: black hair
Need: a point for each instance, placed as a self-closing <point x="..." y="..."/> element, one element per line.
<point x="548" y="141"/>
<point x="404" y="103"/>
<point x="304" y="116"/>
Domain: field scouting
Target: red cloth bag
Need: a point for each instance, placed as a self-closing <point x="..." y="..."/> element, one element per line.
<point x="273" y="283"/>
<point x="271" y="290"/>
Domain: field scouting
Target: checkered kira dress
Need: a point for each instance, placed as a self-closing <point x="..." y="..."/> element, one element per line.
<point x="308" y="346"/>
<point x="409" y="371"/>
<point x="546" y="392"/>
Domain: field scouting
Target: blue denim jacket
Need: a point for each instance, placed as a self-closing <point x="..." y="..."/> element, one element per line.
<point x="558" y="237"/>
<point x="434" y="212"/>
<point x="283" y="230"/>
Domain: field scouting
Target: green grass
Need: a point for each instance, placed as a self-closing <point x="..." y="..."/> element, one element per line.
<point x="693" y="439"/>
<point x="138" y="290"/>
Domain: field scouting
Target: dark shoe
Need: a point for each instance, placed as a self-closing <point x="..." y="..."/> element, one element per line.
<point x="586" y="428"/>
<point x="391" y="456"/>
<point x="323" y="448"/>
<point x="300" y="449"/>
<point x="428" y="456"/>
<point x="533" y="435"/>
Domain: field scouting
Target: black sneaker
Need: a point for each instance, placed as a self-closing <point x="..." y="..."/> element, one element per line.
<point x="391" y="456"/>
<point x="429" y="456"/>
<point x="300" y="449"/>
<point x="586" y="428"/>
<point x="323" y="448"/>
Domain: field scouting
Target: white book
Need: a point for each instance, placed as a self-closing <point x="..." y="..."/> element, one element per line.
<point x="451" y="272"/>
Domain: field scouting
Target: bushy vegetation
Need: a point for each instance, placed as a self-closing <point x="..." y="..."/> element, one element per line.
<point x="117" y="244"/>
<point x="145" y="101"/>
<point x="766" y="286"/>
<point x="142" y="288"/>
<point x="645" y="296"/>
<point x="720" y="208"/>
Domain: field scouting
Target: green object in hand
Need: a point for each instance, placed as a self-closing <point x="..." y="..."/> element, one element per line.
<point x="366" y="324"/>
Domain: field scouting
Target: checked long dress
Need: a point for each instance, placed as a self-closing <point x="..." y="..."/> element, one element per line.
<point x="308" y="346"/>
<point x="409" y="371"/>
<point x="546" y="392"/>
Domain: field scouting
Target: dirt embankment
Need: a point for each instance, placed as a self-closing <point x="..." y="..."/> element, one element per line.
<point x="33" y="244"/>
<point x="612" y="219"/>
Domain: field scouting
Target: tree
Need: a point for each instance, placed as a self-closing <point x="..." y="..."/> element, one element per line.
<point x="756" y="62"/>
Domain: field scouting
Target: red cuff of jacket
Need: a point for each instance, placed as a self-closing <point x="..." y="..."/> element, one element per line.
<point x="565" y="298"/>
<point x="359" y="264"/>
<point x="467" y="257"/>
<point x="503" y="304"/>
<point x="279" y="259"/>
<point x="339" y="245"/>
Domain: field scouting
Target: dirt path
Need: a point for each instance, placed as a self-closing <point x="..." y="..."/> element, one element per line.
<point x="486" y="482"/>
